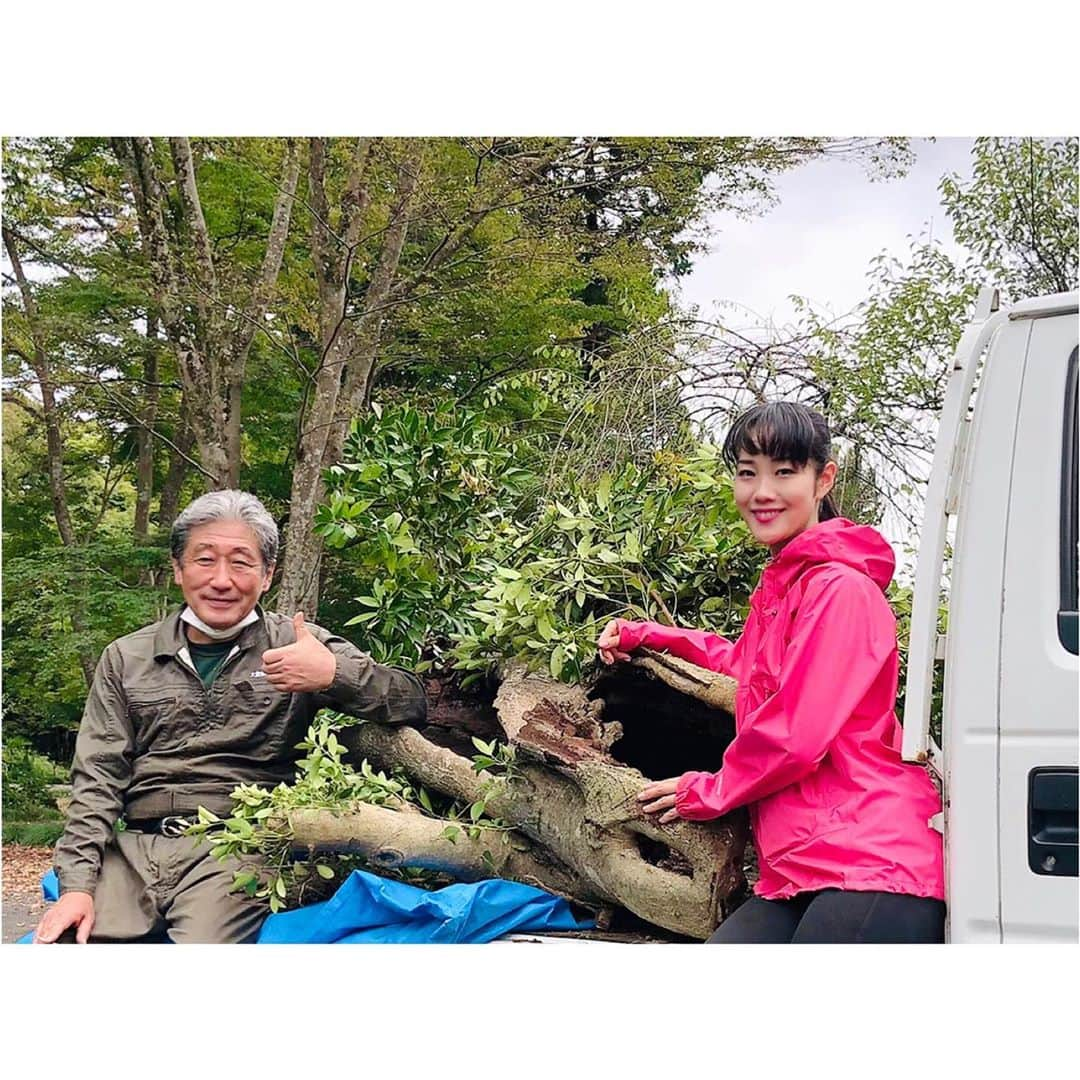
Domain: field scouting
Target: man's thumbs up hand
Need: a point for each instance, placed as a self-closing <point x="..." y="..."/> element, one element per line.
<point x="305" y="666"/>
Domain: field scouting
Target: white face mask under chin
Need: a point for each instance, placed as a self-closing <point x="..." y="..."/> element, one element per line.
<point x="189" y="616"/>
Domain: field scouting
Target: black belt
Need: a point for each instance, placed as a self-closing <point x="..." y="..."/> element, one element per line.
<point x="173" y="825"/>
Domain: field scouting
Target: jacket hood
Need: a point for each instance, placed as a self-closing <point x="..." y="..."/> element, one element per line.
<point x="834" y="541"/>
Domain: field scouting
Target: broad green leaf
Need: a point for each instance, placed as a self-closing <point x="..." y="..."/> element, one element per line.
<point x="603" y="491"/>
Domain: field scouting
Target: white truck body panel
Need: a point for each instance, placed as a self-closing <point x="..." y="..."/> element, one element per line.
<point x="943" y="491"/>
<point x="973" y="654"/>
<point x="1010" y="689"/>
<point x="1038" y="697"/>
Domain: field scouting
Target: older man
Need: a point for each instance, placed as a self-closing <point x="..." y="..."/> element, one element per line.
<point x="215" y="695"/>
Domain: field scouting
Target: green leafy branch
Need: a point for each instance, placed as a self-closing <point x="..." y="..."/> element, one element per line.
<point x="258" y="836"/>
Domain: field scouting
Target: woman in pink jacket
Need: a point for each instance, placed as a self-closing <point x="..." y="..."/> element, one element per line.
<point x="840" y="823"/>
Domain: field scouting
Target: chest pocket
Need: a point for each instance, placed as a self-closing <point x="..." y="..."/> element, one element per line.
<point x="257" y="696"/>
<point x="159" y="718"/>
<point x="259" y="717"/>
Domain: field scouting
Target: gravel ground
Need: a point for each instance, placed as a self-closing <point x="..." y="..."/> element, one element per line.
<point x="21" y="870"/>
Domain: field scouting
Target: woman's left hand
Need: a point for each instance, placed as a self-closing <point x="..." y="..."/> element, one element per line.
<point x="660" y="796"/>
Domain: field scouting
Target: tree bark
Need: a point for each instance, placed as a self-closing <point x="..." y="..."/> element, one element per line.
<point x="201" y="271"/>
<point x="332" y="256"/>
<point x="169" y="503"/>
<point x="144" y="440"/>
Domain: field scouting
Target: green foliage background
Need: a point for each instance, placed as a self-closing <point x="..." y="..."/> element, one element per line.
<point x="458" y="554"/>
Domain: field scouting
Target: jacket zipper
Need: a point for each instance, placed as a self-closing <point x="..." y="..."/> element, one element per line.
<point x="185" y="660"/>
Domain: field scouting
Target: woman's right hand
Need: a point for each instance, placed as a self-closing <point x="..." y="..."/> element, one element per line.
<point x="608" y="644"/>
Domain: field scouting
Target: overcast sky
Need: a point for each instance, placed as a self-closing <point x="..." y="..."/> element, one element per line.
<point x="818" y="241"/>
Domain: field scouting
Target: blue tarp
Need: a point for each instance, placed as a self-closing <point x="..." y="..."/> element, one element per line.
<point x="374" y="910"/>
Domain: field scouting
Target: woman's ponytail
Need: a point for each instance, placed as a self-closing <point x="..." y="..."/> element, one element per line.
<point x="828" y="508"/>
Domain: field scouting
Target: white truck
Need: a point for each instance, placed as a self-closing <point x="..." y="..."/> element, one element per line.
<point x="1003" y="494"/>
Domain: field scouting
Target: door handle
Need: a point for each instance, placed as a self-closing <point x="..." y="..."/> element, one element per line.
<point x="1052" y="820"/>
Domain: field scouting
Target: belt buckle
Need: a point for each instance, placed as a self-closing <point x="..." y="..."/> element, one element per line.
<point x="174" y="826"/>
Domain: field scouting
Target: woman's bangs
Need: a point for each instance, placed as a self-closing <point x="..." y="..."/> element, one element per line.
<point x="776" y="432"/>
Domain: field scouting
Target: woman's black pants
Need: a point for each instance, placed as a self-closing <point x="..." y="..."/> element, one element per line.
<point x="835" y="916"/>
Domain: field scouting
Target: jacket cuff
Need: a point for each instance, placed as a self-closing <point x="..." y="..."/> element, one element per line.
<point x="76" y="884"/>
<point x="688" y="800"/>
<point x="631" y="634"/>
<point x="362" y="687"/>
<point x="346" y="678"/>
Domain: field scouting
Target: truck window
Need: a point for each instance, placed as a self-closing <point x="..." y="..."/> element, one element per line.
<point x="1067" y="612"/>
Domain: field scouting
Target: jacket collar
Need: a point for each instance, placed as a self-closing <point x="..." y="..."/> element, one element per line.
<point x="169" y="638"/>
<point x="798" y="553"/>
<point x="837" y="540"/>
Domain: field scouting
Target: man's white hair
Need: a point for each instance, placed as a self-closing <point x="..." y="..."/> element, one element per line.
<point x="226" y="506"/>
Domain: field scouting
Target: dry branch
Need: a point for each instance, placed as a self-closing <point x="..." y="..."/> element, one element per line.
<point x="391" y="840"/>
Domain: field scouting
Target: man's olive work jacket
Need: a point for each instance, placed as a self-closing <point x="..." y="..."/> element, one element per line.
<point x="154" y="741"/>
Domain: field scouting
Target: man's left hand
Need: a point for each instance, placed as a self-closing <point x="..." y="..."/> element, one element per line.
<point x="659" y="798"/>
<point x="306" y="666"/>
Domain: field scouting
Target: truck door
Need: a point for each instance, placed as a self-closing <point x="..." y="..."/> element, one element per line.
<point x="1037" y="737"/>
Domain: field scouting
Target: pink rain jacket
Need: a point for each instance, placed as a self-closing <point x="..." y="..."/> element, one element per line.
<point x="816" y="753"/>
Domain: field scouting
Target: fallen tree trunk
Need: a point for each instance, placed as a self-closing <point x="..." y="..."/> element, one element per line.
<point x="391" y="840"/>
<point x="578" y="829"/>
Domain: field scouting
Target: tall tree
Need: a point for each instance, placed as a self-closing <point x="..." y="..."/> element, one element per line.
<point x="1018" y="213"/>
<point x="485" y="211"/>
<point x="209" y="319"/>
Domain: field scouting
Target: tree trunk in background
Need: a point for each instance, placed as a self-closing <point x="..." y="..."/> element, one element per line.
<point x="349" y="349"/>
<point x="144" y="439"/>
<point x="39" y="361"/>
<point x="184" y="440"/>
<point x="332" y="256"/>
<point x="54" y="439"/>
<point x="253" y="318"/>
<point x="356" y="388"/>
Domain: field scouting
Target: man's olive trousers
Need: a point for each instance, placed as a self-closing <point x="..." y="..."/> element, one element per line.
<point x="159" y="888"/>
